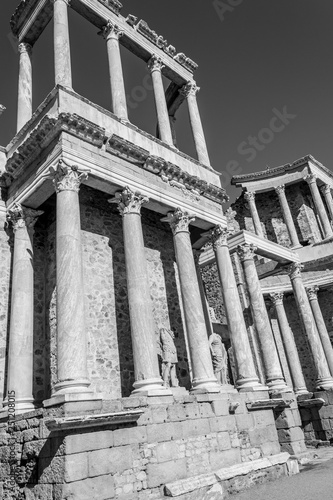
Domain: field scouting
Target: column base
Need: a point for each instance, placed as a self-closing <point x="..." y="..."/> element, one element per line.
<point x="22" y="405"/>
<point x="74" y="397"/>
<point x="80" y="386"/>
<point x="150" y="387"/>
<point x="203" y="386"/>
<point x="302" y="392"/>
<point x="250" y="385"/>
<point x="227" y="389"/>
<point x="296" y="247"/>
<point x="324" y="384"/>
<point x="278" y="386"/>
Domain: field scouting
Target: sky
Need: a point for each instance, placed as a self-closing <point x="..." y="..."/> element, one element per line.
<point x="265" y="73"/>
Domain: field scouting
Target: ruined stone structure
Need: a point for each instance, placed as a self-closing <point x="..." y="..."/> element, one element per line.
<point x="107" y="237"/>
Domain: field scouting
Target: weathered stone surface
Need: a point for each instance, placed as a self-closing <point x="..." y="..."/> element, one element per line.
<point x="78" y="443"/>
<point x="158" y="474"/>
<point x="190" y="484"/>
<point x="109" y="461"/>
<point x="96" y="488"/>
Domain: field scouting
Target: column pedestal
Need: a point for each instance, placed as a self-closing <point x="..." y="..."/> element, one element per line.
<point x="324" y="378"/>
<point x="202" y="368"/>
<point x="273" y="371"/>
<point x="24" y="104"/>
<point x="21" y="333"/>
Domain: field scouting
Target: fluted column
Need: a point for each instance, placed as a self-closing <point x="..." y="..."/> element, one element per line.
<point x="280" y="190"/>
<point x="72" y="372"/>
<point x="202" y="368"/>
<point x="112" y="33"/>
<point x="62" y="53"/>
<point x="250" y="198"/>
<point x="311" y="179"/>
<point x="273" y="371"/>
<point x="327" y="192"/>
<point x="321" y="327"/>
<point x="21" y="333"/>
<point x="289" y="345"/>
<point x="155" y="67"/>
<point x="247" y="376"/>
<point x="24" y="104"/>
<point x="147" y="377"/>
<point x="324" y="378"/>
<point x="190" y="91"/>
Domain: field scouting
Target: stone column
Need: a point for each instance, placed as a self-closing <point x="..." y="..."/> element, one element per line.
<point x="205" y="306"/>
<point x="155" y="67"/>
<point x="287" y="216"/>
<point x="147" y="377"/>
<point x="247" y="376"/>
<point x="72" y="372"/>
<point x="24" y="104"/>
<point x="321" y="327"/>
<point x="189" y="91"/>
<point x="112" y="33"/>
<point x="289" y="345"/>
<point x="62" y="53"/>
<point x="201" y="362"/>
<point x="326" y="190"/>
<point x="21" y="332"/>
<point x="250" y="198"/>
<point x="273" y="371"/>
<point x="324" y="379"/>
<point x="311" y="179"/>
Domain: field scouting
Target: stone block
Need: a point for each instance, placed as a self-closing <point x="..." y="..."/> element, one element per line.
<point x="34" y="449"/>
<point x="330" y="397"/>
<point x="270" y="448"/>
<point x="261" y="435"/>
<point x="159" y="414"/>
<point x="177" y="412"/>
<point x="192" y="411"/>
<point x="30" y="435"/>
<point x="146" y="418"/>
<point x="96" y="488"/>
<point x="292" y="467"/>
<point x="220" y="407"/>
<point x="289" y="435"/>
<point x="326" y="412"/>
<point x="219" y="459"/>
<point x="157" y="433"/>
<point x="294" y="448"/>
<point x="198" y="427"/>
<point x="166" y="451"/>
<point x="134" y="435"/>
<point x="89" y="441"/>
<point x="297" y="417"/>
<point x="51" y="470"/>
<point x="158" y="474"/>
<point x="82" y="407"/>
<point x="285" y="420"/>
<point x="76" y="467"/>
<point x="224" y="423"/>
<point x="262" y="418"/>
<point x="244" y="422"/>
<point x="134" y="402"/>
<point x="38" y="492"/>
<point x="109" y="461"/>
<point x="224" y="441"/>
<point x="206" y="410"/>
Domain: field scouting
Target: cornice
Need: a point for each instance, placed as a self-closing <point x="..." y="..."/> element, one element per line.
<point x="114" y="5"/>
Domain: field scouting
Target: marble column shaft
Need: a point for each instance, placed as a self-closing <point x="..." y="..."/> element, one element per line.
<point x="144" y="342"/>
<point x="311" y="179"/>
<point x="247" y="376"/>
<point x="111" y="33"/>
<point x="202" y="368"/>
<point x="189" y="91"/>
<point x="273" y="371"/>
<point x="324" y="379"/>
<point x="21" y="334"/>
<point x="72" y="370"/>
<point x="321" y="327"/>
<point x="280" y="190"/>
<point x="289" y="345"/>
<point x="24" y="105"/>
<point x="250" y="198"/>
<point x="62" y="53"/>
<point x="155" y="67"/>
<point x="326" y="190"/>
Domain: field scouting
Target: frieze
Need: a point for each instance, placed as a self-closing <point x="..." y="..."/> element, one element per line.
<point x="126" y="149"/>
<point x="114" y="5"/>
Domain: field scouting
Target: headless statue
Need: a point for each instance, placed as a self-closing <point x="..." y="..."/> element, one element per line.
<point x="169" y="357"/>
<point x="219" y="358"/>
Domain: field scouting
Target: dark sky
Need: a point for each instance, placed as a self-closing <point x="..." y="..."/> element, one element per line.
<point x="256" y="57"/>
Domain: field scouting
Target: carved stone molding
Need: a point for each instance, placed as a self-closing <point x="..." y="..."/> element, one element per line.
<point x="24" y="47"/>
<point x="67" y="177"/>
<point x="294" y="270"/>
<point x="179" y="221"/>
<point x="155" y="64"/>
<point x="129" y="202"/>
<point x="326" y="189"/>
<point x="190" y="88"/>
<point x="276" y="298"/>
<point x="20" y="216"/>
<point x="246" y="251"/>
<point x="219" y="237"/>
<point x="310" y="178"/>
<point x="114" y="5"/>
<point x="249" y="195"/>
<point x="111" y="30"/>
<point x="312" y="292"/>
<point x="280" y="189"/>
<point x="67" y="2"/>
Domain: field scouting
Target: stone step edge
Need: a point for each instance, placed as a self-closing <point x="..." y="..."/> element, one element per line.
<point x="188" y="485"/>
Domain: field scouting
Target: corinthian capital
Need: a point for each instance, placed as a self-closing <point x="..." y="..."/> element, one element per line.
<point x="249" y="195"/>
<point x="312" y="292"/>
<point x="219" y="236"/>
<point x="190" y="88"/>
<point x="67" y="177"/>
<point x="24" y="47"/>
<point x="280" y="189"/>
<point x="276" y="298"/>
<point x="129" y="202"/>
<point x="111" y="30"/>
<point x="155" y="64"/>
<point x="179" y="220"/>
<point x="21" y="217"/>
<point x="310" y="178"/>
<point x="246" y="251"/>
<point x="294" y="270"/>
<point x="326" y="189"/>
